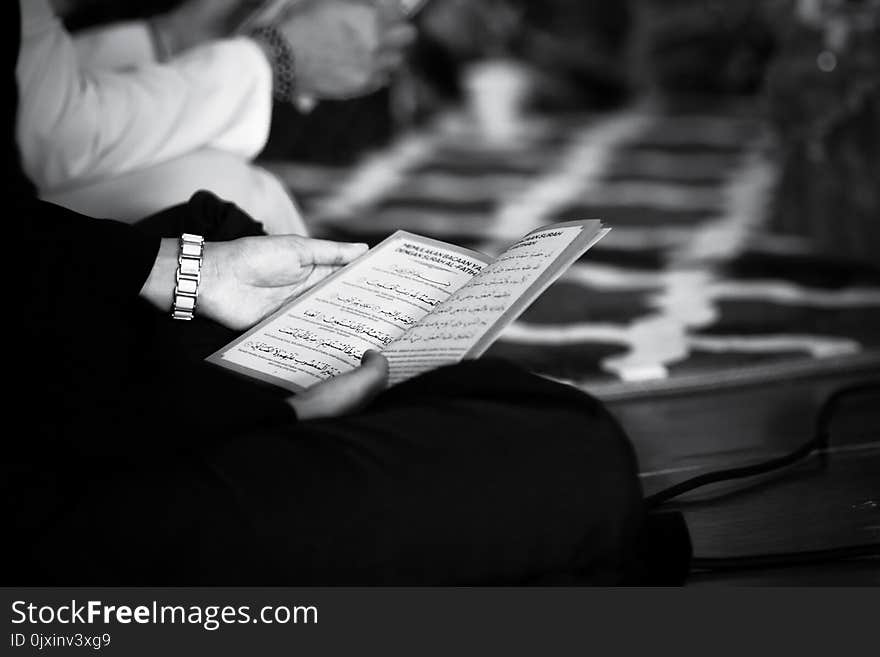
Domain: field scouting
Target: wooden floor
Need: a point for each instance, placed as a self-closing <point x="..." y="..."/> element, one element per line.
<point x="805" y="507"/>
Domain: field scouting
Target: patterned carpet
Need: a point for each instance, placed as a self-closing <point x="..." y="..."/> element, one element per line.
<point x="689" y="289"/>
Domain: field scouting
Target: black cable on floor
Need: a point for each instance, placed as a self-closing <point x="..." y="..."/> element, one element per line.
<point x="819" y="444"/>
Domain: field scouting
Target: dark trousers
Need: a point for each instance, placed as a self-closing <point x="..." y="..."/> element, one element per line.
<point x="478" y="473"/>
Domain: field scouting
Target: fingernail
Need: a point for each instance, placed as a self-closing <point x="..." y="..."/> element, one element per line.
<point x="369" y="354"/>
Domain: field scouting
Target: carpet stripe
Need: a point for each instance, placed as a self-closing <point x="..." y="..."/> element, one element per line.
<point x="577" y="175"/>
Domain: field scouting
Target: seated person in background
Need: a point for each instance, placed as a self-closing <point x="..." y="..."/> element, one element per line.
<point x="574" y="51"/>
<point x="111" y="130"/>
<point x="132" y="461"/>
<point x="578" y="50"/>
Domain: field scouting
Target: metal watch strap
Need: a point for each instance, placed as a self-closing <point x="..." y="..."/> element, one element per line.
<point x="188" y="276"/>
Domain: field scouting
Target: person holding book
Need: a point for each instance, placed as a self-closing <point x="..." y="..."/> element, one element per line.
<point x="126" y="120"/>
<point x="130" y="460"/>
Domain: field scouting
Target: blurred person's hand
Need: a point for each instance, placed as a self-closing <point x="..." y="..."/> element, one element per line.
<point x="470" y="29"/>
<point x="246" y="279"/>
<point x="344" y="394"/>
<point x="344" y="48"/>
<point x="194" y="22"/>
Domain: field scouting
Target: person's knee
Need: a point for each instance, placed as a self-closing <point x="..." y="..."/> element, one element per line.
<point x="598" y="465"/>
<point x="491" y="379"/>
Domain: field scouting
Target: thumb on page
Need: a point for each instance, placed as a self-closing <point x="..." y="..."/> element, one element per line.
<point x="346" y="393"/>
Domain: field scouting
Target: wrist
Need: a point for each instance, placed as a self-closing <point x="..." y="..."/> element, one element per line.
<point x="165" y="39"/>
<point x="209" y="288"/>
<point x="279" y="54"/>
<point x="188" y="276"/>
<point x="158" y="289"/>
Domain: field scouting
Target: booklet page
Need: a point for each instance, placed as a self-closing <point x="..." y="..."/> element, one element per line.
<point x="367" y="305"/>
<point x="469" y="321"/>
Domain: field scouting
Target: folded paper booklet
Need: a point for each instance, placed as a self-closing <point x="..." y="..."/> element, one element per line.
<point x="421" y="302"/>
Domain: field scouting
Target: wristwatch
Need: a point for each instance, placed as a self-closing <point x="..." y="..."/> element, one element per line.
<point x="188" y="276"/>
<point x="281" y="60"/>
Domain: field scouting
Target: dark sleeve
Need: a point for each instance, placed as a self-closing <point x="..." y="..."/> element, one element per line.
<point x="120" y="380"/>
<point x="74" y="262"/>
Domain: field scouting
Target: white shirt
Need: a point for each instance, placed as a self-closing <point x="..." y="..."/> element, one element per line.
<point x="80" y="120"/>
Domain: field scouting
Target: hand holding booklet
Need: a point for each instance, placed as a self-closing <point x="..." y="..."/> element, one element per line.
<point x="421" y="302"/>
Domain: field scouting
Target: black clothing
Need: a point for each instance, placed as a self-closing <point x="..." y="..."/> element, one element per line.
<point x="132" y="461"/>
<point x="474" y="474"/>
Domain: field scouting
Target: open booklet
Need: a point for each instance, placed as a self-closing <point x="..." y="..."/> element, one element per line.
<point x="421" y="302"/>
